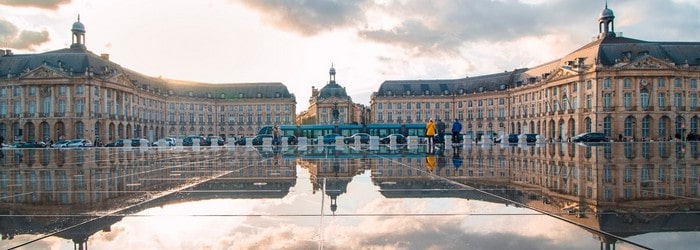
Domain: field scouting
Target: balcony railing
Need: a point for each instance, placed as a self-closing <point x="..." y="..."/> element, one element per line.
<point x="631" y="108"/>
<point x="608" y="109"/>
<point x="681" y="108"/>
<point x="648" y="108"/>
<point x="59" y="114"/>
<point x="16" y="115"/>
<point x="43" y="114"/>
<point x="78" y="114"/>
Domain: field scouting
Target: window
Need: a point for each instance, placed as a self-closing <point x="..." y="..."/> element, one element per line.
<point x="607" y="100"/>
<point x="588" y="123"/>
<point x="693" y="83"/>
<point x="645" y="127"/>
<point x="389" y="106"/>
<point x="627" y="100"/>
<point x="677" y="83"/>
<point x="62" y="90"/>
<point x="678" y="100"/>
<point x="662" y="83"/>
<point x="589" y="102"/>
<point x="437" y="105"/>
<point x="628" y="126"/>
<point x="32" y="91"/>
<point x="662" y="100"/>
<point x="644" y="100"/>
<point x="47" y="105"/>
<point x="627" y="83"/>
<point x="662" y="127"/>
<point x="80" y="106"/>
<point x="589" y="85"/>
<point x="62" y="106"/>
<point x="418" y="105"/>
<point x="3" y="92"/>
<point x="3" y="109"/>
<point x="379" y="106"/>
<point x="574" y="87"/>
<point x="607" y="126"/>
<point x="79" y="90"/>
<point x="693" y="100"/>
<point x="31" y="107"/>
<point x="17" y="91"/>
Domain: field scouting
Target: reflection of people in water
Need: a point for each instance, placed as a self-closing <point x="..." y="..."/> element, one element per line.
<point x="430" y="159"/>
<point x="456" y="161"/>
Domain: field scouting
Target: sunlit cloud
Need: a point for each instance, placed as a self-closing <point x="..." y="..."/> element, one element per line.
<point x="12" y="37"/>
<point x="42" y="4"/>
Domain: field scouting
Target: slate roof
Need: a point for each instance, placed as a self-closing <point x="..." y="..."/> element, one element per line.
<point x="77" y="61"/>
<point x="491" y="82"/>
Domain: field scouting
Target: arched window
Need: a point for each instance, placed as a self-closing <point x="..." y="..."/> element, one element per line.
<point x="629" y="123"/>
<point x="607" y="126"/>
<point x="589" y="126"/>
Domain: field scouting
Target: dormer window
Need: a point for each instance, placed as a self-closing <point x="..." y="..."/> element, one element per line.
<point x="427" y="92"/>
<point x="278" y="95"/>
<point x="190" y="94"/>
<point x="259" y="95"/>
<point x="388" y="93"/>
<point x="481" y="89"/>
<point x="222" y="96"/>
<point x="447" y="92"/>
<point x="241" y="95"/>
<point x="208" y="95"/>
<point x="408" y="92"/>
<point x="461" y="91"/>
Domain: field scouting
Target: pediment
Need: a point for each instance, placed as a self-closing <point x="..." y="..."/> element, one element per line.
<point x="122" y="80"/>
<point x="649" y="62"/>
<point x="561" y="73"/>
<point x="43" y="72"/>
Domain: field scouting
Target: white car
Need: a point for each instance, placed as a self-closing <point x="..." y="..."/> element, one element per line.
<point x="168" y="142"/>
<point x="79" y="143"/>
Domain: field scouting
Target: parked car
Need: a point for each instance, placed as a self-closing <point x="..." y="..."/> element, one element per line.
<point x="188" y="141"/>
<point x="79" y="143"/>
<point x="117" y="143"/>
<point x="211" y="139"/>
<point x="240" y="141"/>
<point x="530" y="138"/>
<point x="30" y="144"/>
<point x="400" y="139"/>
<point x="330" y="138"/>
<point x="60" y="144"/>
<point x="137" y="142"/>
<point x="258" y="139"/>
<point x="589" y="137"/>
<point x="364" y="138"/>
<point x="513" y="138"/>
<point x="168" y="142"/>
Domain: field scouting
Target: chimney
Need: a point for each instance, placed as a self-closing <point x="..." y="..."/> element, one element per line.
<point x="8" y="52"/>
<point x="2" y="52"/>
<point x="104" y="56"/>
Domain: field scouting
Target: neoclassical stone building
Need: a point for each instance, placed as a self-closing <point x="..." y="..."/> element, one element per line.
<point x="626" y="88"/>
<point x="332" y="105"/>
<point x="73" y="93"/>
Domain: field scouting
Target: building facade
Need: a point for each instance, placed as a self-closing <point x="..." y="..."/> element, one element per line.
<point x="629" y="89"/>
<point x="332" y="105"/>
<point x="73" y="93"/>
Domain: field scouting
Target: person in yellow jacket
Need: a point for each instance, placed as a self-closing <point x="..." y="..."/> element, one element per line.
<point x="430" y="133"/>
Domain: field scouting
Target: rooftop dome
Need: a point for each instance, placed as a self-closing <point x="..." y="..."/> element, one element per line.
<point x="78" y="26"/>
<point x="607" y="13"/>
<point x="332" y="90"/>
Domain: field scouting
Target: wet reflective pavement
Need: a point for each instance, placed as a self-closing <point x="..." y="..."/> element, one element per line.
<point x="550" y="196"/>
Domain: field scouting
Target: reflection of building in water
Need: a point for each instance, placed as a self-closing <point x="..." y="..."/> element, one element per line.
<point x="43" y="183"/>
<point x="617" y="188"/>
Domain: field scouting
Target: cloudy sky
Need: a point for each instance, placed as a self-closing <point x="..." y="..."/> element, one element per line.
<point x="368" y="41"/>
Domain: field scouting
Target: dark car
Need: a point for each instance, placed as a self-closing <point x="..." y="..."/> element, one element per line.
<point x="513" y="138"/>
<point x="188" y="141"/>
<point x="240" y="141"/>
<point x="330" y="138"/>
<point x="117" y="143"/>
<point x="364" y="138"/>
<point x="210" y="140"/>
<point x="31" y="144"/>
<point x="400" y="139"/>
<point x="292" y="140"/>
<point x="589" y="137"/>
<point x="258" y="139"/>
<point x="530" y="138"/>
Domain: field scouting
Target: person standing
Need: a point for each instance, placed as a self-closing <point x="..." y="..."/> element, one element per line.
<point x="430" y="133"/>
<point x="276" y="135"/>
<point x="2" y="140"/>
<point x="456" y="130"/>
<point x="440" y="131"/>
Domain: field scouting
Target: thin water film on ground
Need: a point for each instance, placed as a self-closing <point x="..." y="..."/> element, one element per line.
<point x="546" y="196"/>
